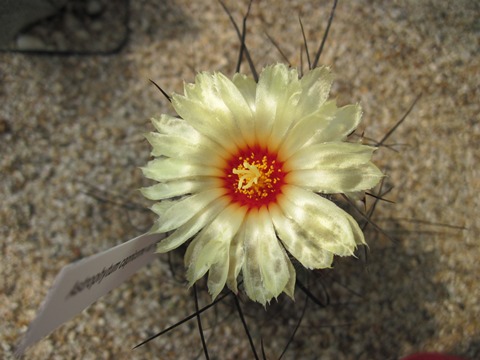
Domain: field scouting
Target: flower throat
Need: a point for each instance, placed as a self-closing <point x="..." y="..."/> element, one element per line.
<point x="254" y="177"/>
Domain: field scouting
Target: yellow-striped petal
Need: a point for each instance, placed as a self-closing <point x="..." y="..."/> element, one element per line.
<point x="331" y="155"/>
<point x="182" y="211"/>
<point x="321" y="220"/>
<point x="166" y="169"/>
<point x="265" y="269"/>
<point x="171" y="189"/>
<point x="191" y="227"/>
<point x="306" y="249"/>
<point x="211" y="247"/>
<point x="333" y="181"/>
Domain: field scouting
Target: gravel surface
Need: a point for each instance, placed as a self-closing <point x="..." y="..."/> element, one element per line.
<point x="71" y="146"/>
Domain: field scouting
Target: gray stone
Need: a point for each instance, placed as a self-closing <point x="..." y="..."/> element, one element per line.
<point x="15" y="15"/>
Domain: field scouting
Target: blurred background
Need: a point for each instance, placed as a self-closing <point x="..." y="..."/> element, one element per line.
<point x="76" y="99"/>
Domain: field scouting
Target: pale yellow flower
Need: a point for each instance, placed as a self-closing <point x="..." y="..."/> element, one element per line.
<point x="243" y="170"/>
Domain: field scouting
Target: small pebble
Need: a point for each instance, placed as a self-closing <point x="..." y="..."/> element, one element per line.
<point x="30" y="42"/>
<point x="94" y="7"/>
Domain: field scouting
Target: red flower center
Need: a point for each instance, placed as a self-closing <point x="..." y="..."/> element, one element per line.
<point x="254" y="177"/>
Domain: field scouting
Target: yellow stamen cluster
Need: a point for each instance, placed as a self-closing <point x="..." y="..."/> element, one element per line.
<point x="249" y="173"/>
<point x="255" y="178"/>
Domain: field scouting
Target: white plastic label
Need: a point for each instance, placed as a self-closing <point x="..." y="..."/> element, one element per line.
<point x="80" y="284"/>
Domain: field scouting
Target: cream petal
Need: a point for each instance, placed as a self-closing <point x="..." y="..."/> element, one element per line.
<point x="217" y="274"/>
<point x="330" y="155"/>
<point x="316" y="86"/>
<point x="182" y="148"/>
<point x="345" y="122"/>
<point x="165" y="169"/>
<point x="303" y="110"/>
<point x="175" y="126"/>
<point x="237" y="257"/>
<point x="211" y="248"/>
<point x="251" y="270"/>
<point x="306" y="249"/>
<point x="203" y="89"/>
<point x="306" y="128"/>
<point x="290" y="287"/>
<point x="286" y="110"/>
<point x="265" y="269"/>
<point x="357" y="231"/>
<point x="239" y="108"/>
<point x="213" y="120"/>
<point x="333" y="181"/>
<point x="177" y="188"/>
<point x="209" y="251"/>
<point x="321" y="220"/>
<point x="248" y="87"/>
<point x="160" y="207"/>
<point x="191" y="227"/>
<point x="205" y="107"/>
<point x="277" y="94"/>
<point x="183" y="210"/>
